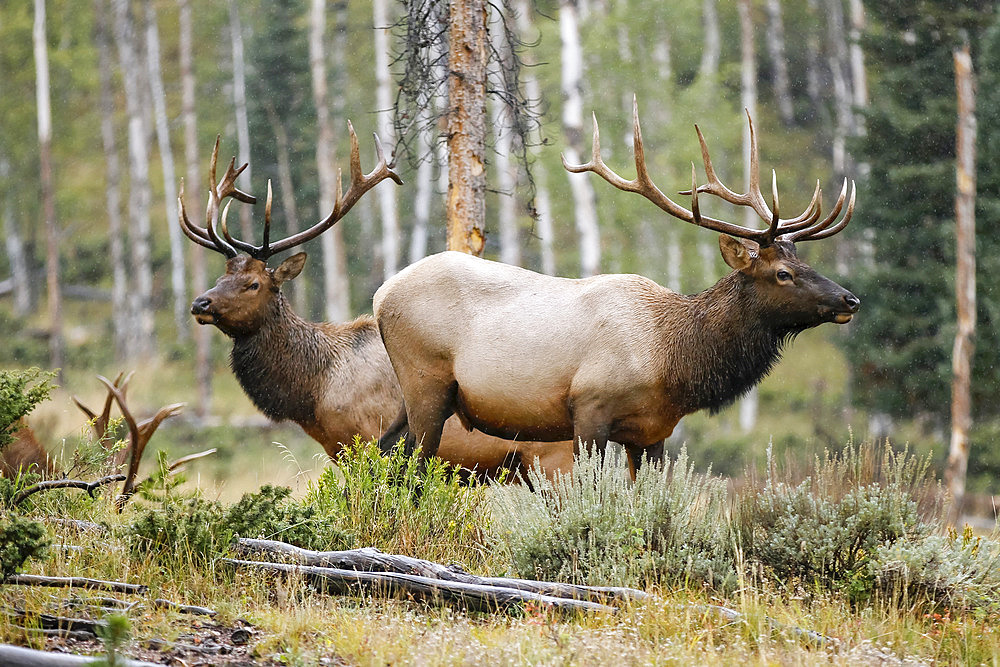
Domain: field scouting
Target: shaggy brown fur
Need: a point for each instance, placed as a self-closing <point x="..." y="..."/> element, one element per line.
<point x="25" y="454"/>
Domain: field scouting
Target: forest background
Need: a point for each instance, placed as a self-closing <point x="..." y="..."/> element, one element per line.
<point x="836" y="90"/>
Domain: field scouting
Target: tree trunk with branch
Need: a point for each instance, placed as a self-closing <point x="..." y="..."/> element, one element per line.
<point x="466" y="207"/>
<point x="53" y="287"/>
<point x="584" y="204"/>
<point x="178" y="278"/>
<point x="194" y="183"/>
<point x="336" y="285"/>
<point x="965" y="281"/>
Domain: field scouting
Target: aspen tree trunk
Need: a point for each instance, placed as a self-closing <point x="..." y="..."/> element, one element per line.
<point x="286" y="190"/>
<point x="423" y="196"/>
<point x="859" y="79"/>
<point x="19" y="278"/>
<point x="466" y="208"/>
<point x="542" y="204"/>
<point x="813" y="74"/>
<point x="584" y="204"/>
<point x="120" y="319"/>
<point x="195" y="186"/>
<point x="44" y="111"/>
<point x="336" y="285"/>
<point x="384" y="103"/>
<point x="712" y="44"/>
<point x="141" y="331"/>
<point x="844" y="125"/>
<point x="240" y="104"/>
<point x="178" y="281"/>
<point x="776" y="49"/>
<point x="965" y="281"/>
<point x="506" y="169"/>
<point x="748" y="97"/>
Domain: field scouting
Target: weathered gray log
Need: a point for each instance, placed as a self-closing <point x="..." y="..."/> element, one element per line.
<point x="51" y="622"/>
<point x="78" y="635"/>
<point x="75" y="582"/>
<point x="370" y="559"/>
<point x="427" y="589"/>
<point x="89" y="487"/>
<point x="17" y="656"/>
<point x="160" y="603"/>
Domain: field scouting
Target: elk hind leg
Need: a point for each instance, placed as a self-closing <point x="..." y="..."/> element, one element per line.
<point x="426" y="415"/>
<point x="397" y="430"/>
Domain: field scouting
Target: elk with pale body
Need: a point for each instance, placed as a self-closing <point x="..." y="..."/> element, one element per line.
<point x="518" y="354"/>
<point x="332" y="379"/>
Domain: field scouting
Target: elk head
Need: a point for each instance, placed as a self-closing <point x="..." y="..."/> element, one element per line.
<point x="244" y="296"/>
<point x="785" y="287"/>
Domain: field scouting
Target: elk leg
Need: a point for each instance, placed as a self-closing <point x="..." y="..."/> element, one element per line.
<point x="396" y="431"/>
<point x="426" y="416"/>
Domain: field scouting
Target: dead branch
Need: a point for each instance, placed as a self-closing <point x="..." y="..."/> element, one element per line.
<point x="89" y="487"/>
<point x="160" y="603"/>
<point x="51" y="622"/>
<point x="75" y="582"/>
<point x="17" y="656"/>
<point x="424" y="589"/>
<point x="372" y="560"/>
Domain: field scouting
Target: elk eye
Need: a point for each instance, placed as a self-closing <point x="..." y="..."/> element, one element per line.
<point x="253" y="286"/>
<point x="784" y="276"/>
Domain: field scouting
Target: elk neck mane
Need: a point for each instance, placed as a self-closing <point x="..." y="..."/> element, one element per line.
<point x="727" y="344"/>
<point x="283" y="365"/>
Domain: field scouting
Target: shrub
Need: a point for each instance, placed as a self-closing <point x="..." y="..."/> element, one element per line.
<point x="828" y="528"/>
<point x="20" y="539"/>
<point x="20" y="392"/>
<point x="401" y="504"/>
<point x="593" y="525"/>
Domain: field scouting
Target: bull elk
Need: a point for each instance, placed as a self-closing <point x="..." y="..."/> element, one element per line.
<point x="332" y="379"/>
<point x="25" y="454"/>
<point x="518" y="354"/>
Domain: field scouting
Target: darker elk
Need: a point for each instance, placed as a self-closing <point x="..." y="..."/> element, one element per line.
<point x="333" y="379"/>
<point x="613" y="357"/>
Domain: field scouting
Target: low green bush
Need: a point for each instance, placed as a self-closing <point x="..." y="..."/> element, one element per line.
<point x="20" y="392"/>
<point x="20" y="539"/>
<point x="594" y="526"/>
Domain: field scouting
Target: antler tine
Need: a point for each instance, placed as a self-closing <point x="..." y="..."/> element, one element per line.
<point x="820" y="231"/>
<point x="808" y="217"/>
<point x="344" y="201"/>
<point x="826" y="222"/>
<point x="265" y="246"/>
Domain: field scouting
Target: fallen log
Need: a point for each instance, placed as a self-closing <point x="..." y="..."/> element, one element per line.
<point x="370" y="559"/>
<point x="160" y="603"/>
<point x="17" y="656"/>
<point x="75" y="582"/>
<point x="89" y="487"/>
<point x="52" y="622"/>
<point x="425" y="589"/>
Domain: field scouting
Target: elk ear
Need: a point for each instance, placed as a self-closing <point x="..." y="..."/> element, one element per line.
<point x="288" y="269"/>
<point x="738" y="253"/>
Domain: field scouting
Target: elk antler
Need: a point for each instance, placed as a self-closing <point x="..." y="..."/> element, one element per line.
<point x="804" y="227"/>
<point x="139" y="435"/>
<point x="344" y="201"/>
<point x="100" y="423"/>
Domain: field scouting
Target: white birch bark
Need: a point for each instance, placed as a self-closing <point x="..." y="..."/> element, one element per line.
<point x="120" y="320"/>
<point x="584" y="203"/>
<point x="178" y="283"/>
<point x="240" y="105"/>
<point x="544" y="229"/>
<point x="748" y="97"/>
<point x="336" y="286"/>
<point x="776" y="50"/>
<point x="384" y="104"/>
<point x="506" y="168"/>
<point x="194" y="187"/>
<point x="141" y="332"/>
<point x="422" y="199"/>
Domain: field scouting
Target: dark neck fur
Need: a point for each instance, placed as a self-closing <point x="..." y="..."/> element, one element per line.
<point x="281" y="365"/>
<point x="729" y="344"/>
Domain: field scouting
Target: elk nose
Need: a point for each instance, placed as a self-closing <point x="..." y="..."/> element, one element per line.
<point x="852" y="302"/>
<point x="200" y="305"/>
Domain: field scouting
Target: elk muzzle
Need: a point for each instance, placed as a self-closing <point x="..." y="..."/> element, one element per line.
<point x="201" y="308"/>
<point x="844" y="313"/>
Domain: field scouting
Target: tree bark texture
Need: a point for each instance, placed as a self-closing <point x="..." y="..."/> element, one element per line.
<point x="194" y="186"/>
<point x="384" y="103"/>
<point x="748" y="97"/>
<point x="178" y="277"/>
<point x="140" y="330"/>
<point x="466" y="207"/>
<point x="584" y="203"/>
<point x="776" y="48"/>
<point x="112" y="193"/>
<point x="44" y="111"/>
<point x="336" y="284"/>
<point x="965" y="281"/>
<point x="240" y="106"/>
